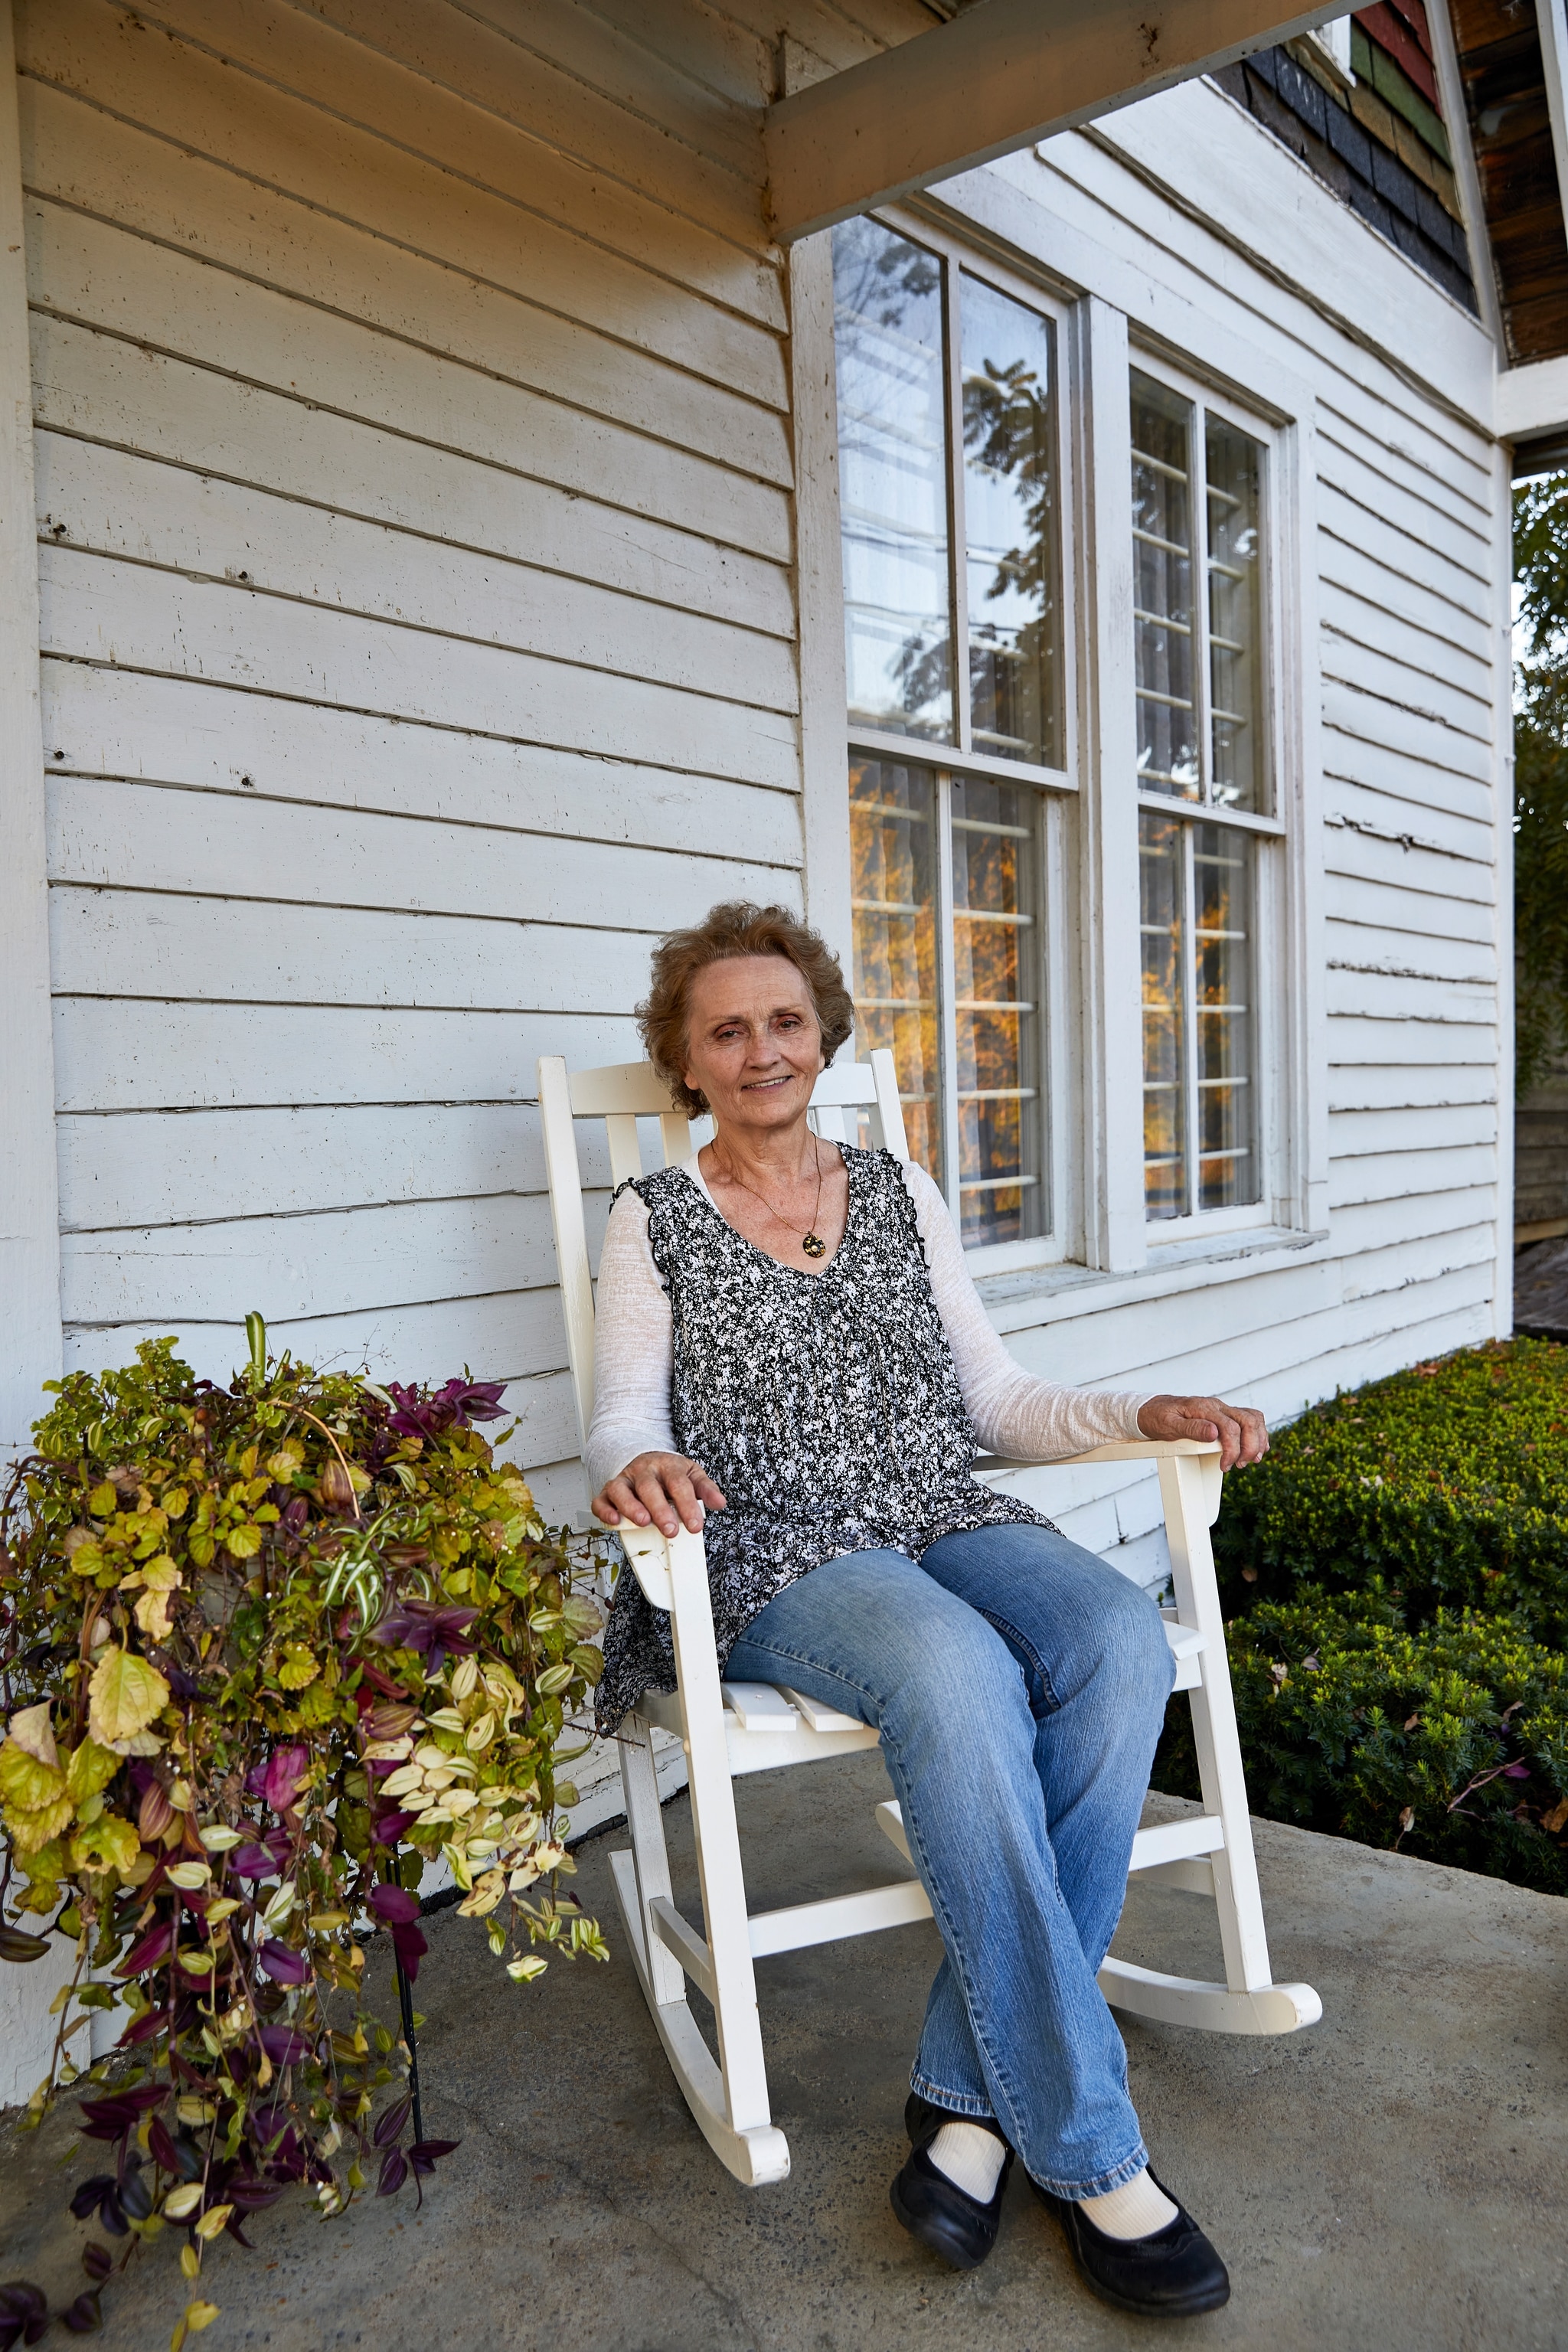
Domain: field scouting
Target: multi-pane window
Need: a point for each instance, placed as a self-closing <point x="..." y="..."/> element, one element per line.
<point x="1197" y="493"/>
<point x="950" y="491"/>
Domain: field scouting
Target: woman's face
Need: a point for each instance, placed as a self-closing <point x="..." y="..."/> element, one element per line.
<point x="752" y="1044"/>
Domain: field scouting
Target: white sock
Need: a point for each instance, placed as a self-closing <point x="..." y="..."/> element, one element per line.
<point x="1136" y="2209"/>
<point x="971" y="2157"/>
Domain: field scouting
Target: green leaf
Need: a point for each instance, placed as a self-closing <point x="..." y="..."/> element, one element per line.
<point x="125" y="1694"/>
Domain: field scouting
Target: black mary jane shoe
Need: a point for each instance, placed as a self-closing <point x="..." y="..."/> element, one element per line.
<point x="1172" y="2273"/>
<point x="934" y="2209"/>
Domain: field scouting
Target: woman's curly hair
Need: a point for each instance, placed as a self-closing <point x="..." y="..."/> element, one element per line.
<point x="738" y="927"/>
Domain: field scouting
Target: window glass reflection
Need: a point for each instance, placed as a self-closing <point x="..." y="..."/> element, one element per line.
<point x="892" y="422"/>
<point x="1162" y="589"/>
<point x="892" y="833"/>
<point x="998" y="960"/>
<point x="1234" y="466"/>
<point x="1010" y="526"/>
<point x="1221" y="939"/>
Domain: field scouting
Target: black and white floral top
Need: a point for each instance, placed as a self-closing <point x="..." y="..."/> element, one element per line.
<point x="826" y="1406"/>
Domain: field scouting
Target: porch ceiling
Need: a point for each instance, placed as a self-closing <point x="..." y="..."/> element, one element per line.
<point x="1001" y="75"/>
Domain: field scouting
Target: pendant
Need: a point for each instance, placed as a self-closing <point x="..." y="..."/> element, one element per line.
<point x="814" y="1245"/>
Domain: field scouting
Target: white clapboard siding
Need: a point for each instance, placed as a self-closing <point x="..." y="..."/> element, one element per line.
<point x="263" y="137"/>
<point x="1372" y="714"/>
<point x="309" y="1265"/>
<point x="96" y="611"/>
<point x="472" y="132"/>
<point x="155" y="299"/>
<point x="139" y="837"/>
<point x="102" y="721"/>
<point x="153" y="514"/>
<point x="80" y="155"/>
<point x="1402" y="1084"/>
<point x="262" y="953"/>
<point x="171" y="1168"/>
<point x="158" y="1052"/>
<point x="100" y="390"/>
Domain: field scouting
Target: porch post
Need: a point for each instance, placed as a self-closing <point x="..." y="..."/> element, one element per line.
<point x="29" y="1200"/>
<point x="29" y="1214"/>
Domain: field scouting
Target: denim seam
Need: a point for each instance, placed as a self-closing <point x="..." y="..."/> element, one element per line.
<point x="1010" y="1633"/>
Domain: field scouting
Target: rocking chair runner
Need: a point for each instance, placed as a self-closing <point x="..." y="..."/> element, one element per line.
<point x="729" y="1728"/>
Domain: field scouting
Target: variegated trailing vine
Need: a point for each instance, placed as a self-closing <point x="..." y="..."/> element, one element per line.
<point x="265" y="1652"/>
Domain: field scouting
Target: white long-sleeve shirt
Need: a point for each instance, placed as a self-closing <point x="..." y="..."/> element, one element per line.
<point x="1015" y="1414"/>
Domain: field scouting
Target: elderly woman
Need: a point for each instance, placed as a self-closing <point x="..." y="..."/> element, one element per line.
<point x="792" y="1352"/>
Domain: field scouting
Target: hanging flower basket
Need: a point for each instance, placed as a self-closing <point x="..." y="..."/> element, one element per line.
<point x="265" y="1652"/>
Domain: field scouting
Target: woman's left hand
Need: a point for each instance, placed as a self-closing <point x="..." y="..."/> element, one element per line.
<point x="1242" y="1433"/>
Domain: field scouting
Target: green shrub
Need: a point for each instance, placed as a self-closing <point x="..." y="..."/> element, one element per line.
<point x="1449" y="1741"/>
<point x="1448" y="1482"/>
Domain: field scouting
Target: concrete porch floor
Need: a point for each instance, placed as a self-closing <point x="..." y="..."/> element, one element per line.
<point x="1396" y="2177"/>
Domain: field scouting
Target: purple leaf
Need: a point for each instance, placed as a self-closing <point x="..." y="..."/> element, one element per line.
<point x="283" y="2044"/>
<point x="278" y="1781"/>
<point x="282" y="1963"/>
<point x="88" y="2197"/>
<point x="1516" y="1771"/>
<point x="425" y="1413"/>
<point x="83" y="2317"/>
<point x="143" y="2028"/>
<point x="391" y="2124"/>
<point x="252" y="1861"/>
<point x="148" y="1950"/>
<point x="410" y="1947"/>
<point x="97" y="2260"/>
<point x="393" y="2173"/>
<point x="425" y="2154"/>
<point x="431" y="1626"/>
<point x="251" y="2196"/>
<point x="161" y="2145"/>
<point x="390" y="1828"/>
<point x="395" y="1905"/>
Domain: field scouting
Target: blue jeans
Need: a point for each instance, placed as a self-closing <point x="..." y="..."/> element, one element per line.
<point x="1019" y="1685"/>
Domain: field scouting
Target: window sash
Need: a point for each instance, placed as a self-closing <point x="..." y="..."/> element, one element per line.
<point x="952" y="727"/>
<point x="1207" y="656"/>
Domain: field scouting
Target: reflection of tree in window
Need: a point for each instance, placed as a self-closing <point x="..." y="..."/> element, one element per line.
<point x="892" y="425"/>
<point x="1010" y="526"/>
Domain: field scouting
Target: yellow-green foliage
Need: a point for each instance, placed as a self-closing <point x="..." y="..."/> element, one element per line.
<point x="265" y="1652"/>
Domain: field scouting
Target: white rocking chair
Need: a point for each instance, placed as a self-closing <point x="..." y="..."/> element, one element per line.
<point x="729" y="1728"/>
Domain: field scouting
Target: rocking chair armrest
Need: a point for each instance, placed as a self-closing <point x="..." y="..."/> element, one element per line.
<point x="1135" y="1449"/>
<point x="648" y="1553"/>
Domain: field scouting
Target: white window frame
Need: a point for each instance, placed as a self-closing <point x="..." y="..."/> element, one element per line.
<point x="1271" y="976"/>
<point x="1099" y="1226"/>
<point x="1056" y="785"/>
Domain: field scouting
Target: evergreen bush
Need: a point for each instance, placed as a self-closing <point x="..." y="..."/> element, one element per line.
<point x="1398" y="1565"/>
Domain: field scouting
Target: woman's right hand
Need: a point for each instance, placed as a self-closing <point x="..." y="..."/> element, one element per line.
<point x="668" y="1488"/>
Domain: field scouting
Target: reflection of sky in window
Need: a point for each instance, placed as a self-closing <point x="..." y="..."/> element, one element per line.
<point x="892" y="413"/>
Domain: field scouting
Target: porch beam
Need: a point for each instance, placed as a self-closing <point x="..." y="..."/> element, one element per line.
<point x="1001" y="76"/>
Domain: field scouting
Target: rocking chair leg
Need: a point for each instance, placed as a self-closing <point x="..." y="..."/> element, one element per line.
<point x="1248" y="2002"/>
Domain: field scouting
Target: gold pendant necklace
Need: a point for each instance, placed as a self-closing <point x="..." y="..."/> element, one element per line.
<point x="811" y="1242"/>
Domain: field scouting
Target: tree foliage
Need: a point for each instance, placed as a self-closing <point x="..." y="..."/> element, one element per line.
<point x="1540" y="780"/>
<point x="265" y="1652"/>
